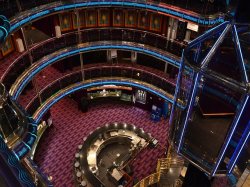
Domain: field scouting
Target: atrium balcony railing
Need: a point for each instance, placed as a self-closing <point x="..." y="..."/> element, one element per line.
<point x="103" y="74"/>
<point x="44" y="48"/>
<point x="34" y="11"/>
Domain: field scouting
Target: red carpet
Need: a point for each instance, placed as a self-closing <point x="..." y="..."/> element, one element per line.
<point x="56" y="152"/>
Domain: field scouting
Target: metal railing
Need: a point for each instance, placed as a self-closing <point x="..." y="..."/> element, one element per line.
<point x="159" y="43"/>
<point x="28" y="11"/>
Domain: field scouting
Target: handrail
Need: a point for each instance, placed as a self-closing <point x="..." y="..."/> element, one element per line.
<point x="41" y="11"/>
<point x="163" y="165"/>
<point x="151" y="179"/>
<point x="18" y="86"/>
<point x="97" y="82"/>
<point x="101" y="67"/>
<point x="54" y="39"/>
<point x="40" y="179"/>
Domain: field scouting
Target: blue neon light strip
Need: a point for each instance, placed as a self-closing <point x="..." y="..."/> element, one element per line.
<point x="197" y="54"/>
<point x="5" y="27"/>
<point x="230" y="136"/>
<point x="24" y="82"/>
<point x="238" y="47"/>
<point x="32" y="134"/>
<point x="188" y="111"/>
<point x="6" y="32"/>
<point x="78" y="87"/>
<point x="34" y="125"/>
<point x="157" y="8"/>
<point x="26" y="145"/>
<point x="16" y="155"/>
<point x="214" y="47"/>
<point x="207" y="34"/>
<point x="177" y="88"/>
<point x="239" y="148"/>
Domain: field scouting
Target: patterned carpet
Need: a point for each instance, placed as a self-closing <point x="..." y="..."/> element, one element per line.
<point x="42" y="79"/>
<point x="55" y="154"/>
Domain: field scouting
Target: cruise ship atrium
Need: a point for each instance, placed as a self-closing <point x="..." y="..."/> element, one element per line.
<point x="124" y="93"/>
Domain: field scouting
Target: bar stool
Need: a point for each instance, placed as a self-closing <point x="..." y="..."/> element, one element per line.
<point x="77" y="155"/>
<point x="77" y="164"/>
<point x="83" y="183"/>
<point x="78" y="174"/>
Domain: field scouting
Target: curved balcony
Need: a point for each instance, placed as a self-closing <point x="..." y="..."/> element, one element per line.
<point x="158" y="42"/>
<point x="97" y="76"/>
<point x="44" y="10"/>
<point x="23" y="80"/>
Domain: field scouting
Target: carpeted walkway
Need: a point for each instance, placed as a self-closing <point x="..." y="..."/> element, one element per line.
<point x="55" y="154"/>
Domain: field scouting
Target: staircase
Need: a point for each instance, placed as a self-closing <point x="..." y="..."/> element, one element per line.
<point x="167" y="172"/>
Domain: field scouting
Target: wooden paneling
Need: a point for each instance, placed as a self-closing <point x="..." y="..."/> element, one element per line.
<point x="118" y="18"/>
<point x="65" y="22"/>
<point x="91" y="18"/>
<point x="143" y="20"/>
<point x="103" y="18"/>
<point x="131" y="18"/>
<point x="155" y="22"/>
<point x="81" y="20"/>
